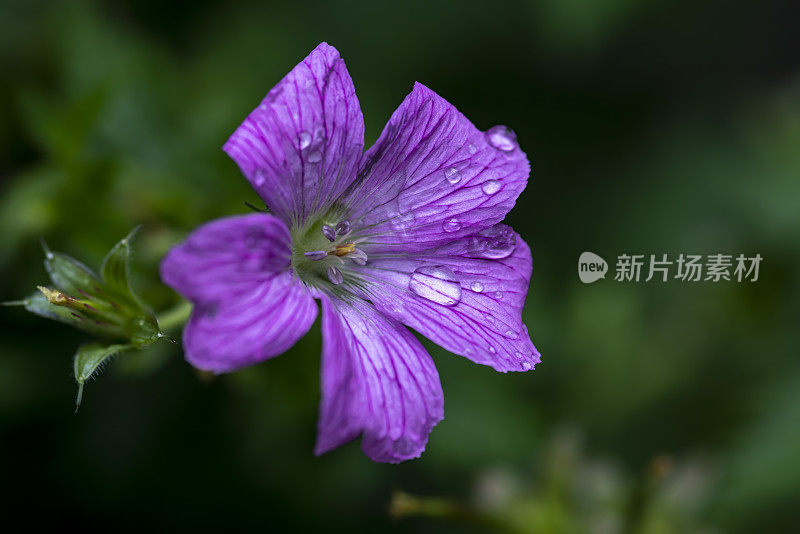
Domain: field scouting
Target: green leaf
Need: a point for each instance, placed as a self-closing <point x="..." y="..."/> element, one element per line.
<point x="88" y="359"/>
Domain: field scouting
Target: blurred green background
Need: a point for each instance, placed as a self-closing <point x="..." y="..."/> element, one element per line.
<point x="652" y="127"/>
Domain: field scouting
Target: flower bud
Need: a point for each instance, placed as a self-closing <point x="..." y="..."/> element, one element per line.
<point x="102" y="305"/>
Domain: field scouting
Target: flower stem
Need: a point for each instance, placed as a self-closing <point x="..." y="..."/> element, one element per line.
<point x="175" y="317"/>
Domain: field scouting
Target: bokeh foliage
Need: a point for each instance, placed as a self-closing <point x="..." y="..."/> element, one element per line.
<point x="653" y="127"/>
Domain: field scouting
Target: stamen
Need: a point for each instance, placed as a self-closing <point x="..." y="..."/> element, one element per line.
<point x="316" y="255"/>
<point x="329" y="233"/>
<point x="335" y="275"/>
<point x="342" y="250"/>
<point x="343" y="228"/>
<point x="358" y="256"/>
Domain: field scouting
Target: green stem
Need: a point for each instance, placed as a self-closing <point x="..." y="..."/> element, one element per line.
<point x="175" y="317"/>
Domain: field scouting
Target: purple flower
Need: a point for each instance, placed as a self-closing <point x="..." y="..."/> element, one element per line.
<point x="407" y="233"/>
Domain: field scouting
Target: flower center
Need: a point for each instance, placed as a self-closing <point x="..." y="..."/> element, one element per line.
<point x="322" y="249"/>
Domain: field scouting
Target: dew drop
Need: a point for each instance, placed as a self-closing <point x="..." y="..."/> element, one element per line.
<point x="498" y="295"/>
<point x="254" y="239"/>
<point x="526" y="366"/>
<point x="472" y="148"/>
<point x="476" y="286"/>
<point x="490" y="187"/>
<point x="518" y="355"/>
<point x="492" y="350"/>
<point x="273" y="94"/>
<point x="451" y="225"/>
<point x="497" y="242"/>
<point x="303" y="140"/>
<point x="401" y="222"/>
<point x="437" y="284"/>
<point x="335" y="275"/>
<point x="502" y="138"/>
<point x="510" y="334"/>
<point x="314" y="156"/>
<point x="489" y="318"/>
<point x="259" y="178"/>
<point x="452" y="175"/>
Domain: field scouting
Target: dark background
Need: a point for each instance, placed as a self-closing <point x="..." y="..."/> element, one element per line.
<point x="652" y="127"/>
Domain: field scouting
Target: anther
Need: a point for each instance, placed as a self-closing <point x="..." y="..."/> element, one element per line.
<point x="335" y="275"/>
<point x="343" y="228"/>
<point x="329" y="233"/>
<point x="316" y="255"/>
<point x="358" y="256"/>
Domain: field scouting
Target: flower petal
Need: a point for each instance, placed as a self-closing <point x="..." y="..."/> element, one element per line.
<point x="377" y="380"/>
<point x="433" y="177"/>
<point x="226" y="257"/>
<point x="462" y="299"/>
<point x="248" y="307"/>
<point x="262" y="323"/>
<point x="300" y="147"/>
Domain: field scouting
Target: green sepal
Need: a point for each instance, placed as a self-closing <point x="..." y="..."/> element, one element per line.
<point x="88" y="360"/>
<point x="103" y="305"/>
<point x="114" y="269"/>
<point x="70" y="275"/>
<point x="38" y="304"/>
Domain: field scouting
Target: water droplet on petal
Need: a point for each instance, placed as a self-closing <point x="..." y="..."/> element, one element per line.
<point x="497" y="242"/>
<point x="303" y="140"/>
<point x="328" y="232"/>
<point x="502" y="138"/>
<point x="472" y="148"/>
<point x="526" y="366"/>
<point x="315" y="156"/>
<point x="518" y="355"/>
<point x="498" y="295"/>
<point x="259" y="178"/>
<point x="274" y="93"/>
<point x="510" y="334"/>
<point x="316" y="255"/>
<point x="452" y="175"/>
<point x="489" y="318"/>
<point x="343" y="228"/>
<point x="254" y="239"/>
<point x="335" y="275"/>
<point x="477" y="287"/>
<point x="492" y="350"/>
<point x="490" y="187"/>
<point x="451" y="225"/>
<point x="401" y="222"/>
<point x="437" y="284"/>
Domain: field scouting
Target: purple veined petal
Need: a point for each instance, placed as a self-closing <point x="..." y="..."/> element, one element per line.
<point x="262" y="323"/>
<point x="226" y="257"/>
<point x="300" y="147"/>
<point x="377" y="381"/>
<point x="463" y="299"/>
<point x="248" y="307"/>
<point x="433" y="177"/>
